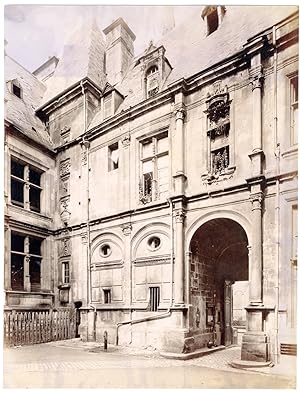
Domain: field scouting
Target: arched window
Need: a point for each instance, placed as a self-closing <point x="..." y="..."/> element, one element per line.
<point x="152" y="81"/>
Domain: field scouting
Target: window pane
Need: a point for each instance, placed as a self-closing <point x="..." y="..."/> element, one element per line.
<point x="147" y="149"/>
<point x="17" y="192"/>
<point x="66" y="272"/>
<point x="17" y="169"/>
<point x="35" y="246"/>
<point x="147" y="166"/>
<point x="17" y="272"/>
<point x="34" y="177"/>
<point x="17" y="242"/>
<point x="162" y="145"/>
<point x="35" y="273"/>
<point x="34" y="198"/>
<point x="17" y="91"/>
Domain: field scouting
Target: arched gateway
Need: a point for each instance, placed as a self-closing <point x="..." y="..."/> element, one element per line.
<point x="218" y="258"/>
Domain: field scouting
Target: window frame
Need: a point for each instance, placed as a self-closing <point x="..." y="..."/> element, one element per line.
<point x="27" y="284"/>
<point x="293" y="107"/>
<point x="153" y="158"/>
<point x="27" y="185"/>
<point x="112" y="166"/>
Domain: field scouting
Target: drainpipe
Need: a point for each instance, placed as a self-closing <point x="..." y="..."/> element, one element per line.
<point x="87" y="147"/>
<point x="277" y="206"/>
<point x="168" y="312"/>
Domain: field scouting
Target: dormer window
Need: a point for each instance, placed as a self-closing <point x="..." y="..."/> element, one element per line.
<point x="16" y="89"/>
<point x="152" y="81"/>
<point x="213" y="16"/>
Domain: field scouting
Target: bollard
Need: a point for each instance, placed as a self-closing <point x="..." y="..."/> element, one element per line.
<point x="105" y="340"/>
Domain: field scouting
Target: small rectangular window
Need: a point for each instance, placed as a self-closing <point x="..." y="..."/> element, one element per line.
<point x="113" y="156"/>
<point x="154" y="298"/>
<point x="107" y="112"/>
<point x="65" y="272"/>
<point x="107" y="296"/>
<point x="16" y="90"/>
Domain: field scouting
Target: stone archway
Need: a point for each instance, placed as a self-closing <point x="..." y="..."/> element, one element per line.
<point x="218" y="258"/>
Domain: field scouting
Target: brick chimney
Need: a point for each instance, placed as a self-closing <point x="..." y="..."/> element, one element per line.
<point x="119" y="50"/>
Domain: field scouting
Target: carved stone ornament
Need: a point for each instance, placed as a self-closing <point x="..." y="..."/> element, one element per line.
<point x="126" y="229"/>
<point x="64" y="206"/>
<point x="218" y="110"/>
<point x="180" y="114"/>
<point x="84" y="157"/>
<point x="180" y="216"/>
<point x="64" y="186"/>
<point x="64" y="167"/>
<point x="256" y="200"/>
<point x="84" y="237"/>
<point x="65" y="133"/>
<point x="126" y="141"/>
<point x="66" y="247"/>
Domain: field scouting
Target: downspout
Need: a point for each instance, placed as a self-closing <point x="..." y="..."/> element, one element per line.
<point x="87" y="147"/>
<point x="277" y="206"/>
<point x="168" y="312"/>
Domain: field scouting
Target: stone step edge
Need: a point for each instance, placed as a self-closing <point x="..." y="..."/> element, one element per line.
<point x="191" y="355"/>
<point x="245" y="364"/>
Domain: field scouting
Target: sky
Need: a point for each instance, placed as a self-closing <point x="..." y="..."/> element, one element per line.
<point x="36" y="32"/>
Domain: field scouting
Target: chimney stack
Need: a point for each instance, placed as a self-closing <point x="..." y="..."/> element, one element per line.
<point x="119" y="50"/>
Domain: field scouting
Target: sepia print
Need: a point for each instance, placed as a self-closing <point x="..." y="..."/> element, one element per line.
<point x="150" y="196"/>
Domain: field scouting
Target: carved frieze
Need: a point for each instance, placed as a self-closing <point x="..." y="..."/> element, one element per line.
<point x="84" y="157"/>
<point x="64" y="210"/>
<point x="65" y="247"/>
<point x="64" y="186"/>
<point x="257" y="199"/>
<point x="64" y="167"/>
<point x="180" y="216"/>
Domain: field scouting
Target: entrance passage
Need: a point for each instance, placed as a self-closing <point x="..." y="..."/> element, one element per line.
<point x="219" y="258"/>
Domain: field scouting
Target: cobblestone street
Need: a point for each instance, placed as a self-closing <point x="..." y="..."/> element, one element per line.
<point x="53" y="365"/>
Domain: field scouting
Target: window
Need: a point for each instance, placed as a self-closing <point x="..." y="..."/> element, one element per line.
<point x="65" y="272"/>
<point x="113" y="157"/>
<point x="107" y="296"/>
<point x="25" y="256"/>
<point x="16" y="88"/>
<point x="212" y="22"/>
<point x="154" y="298"/>
<point x="152" y="81"/>
<point x="154" y="182"/>
<point x="154" y="243"/>
<point x="294" y="109"/>
<point x="213" y="16"/>
<point x="105" y="250"/>
<point x="107" y="106"/>
<point x="25" y="186"/>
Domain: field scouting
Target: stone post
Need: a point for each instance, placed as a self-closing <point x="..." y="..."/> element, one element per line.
<point x="227" y="309"/>
<point x="179" y="259"/>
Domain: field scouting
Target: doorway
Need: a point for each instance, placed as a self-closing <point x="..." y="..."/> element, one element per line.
<point x="219" y="259"/>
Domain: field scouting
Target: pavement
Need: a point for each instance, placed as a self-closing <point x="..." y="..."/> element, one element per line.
<point x="77" y="364"/>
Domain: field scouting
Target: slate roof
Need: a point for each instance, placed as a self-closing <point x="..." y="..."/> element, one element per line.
<point x="21" y="111"/>
<point x="83" y="56"/>
<point x="190" y="51"/>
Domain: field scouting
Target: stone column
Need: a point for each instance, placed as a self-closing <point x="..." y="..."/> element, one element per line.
<point x="256" y="250"/>
<point x="26" y="265"/>
<point x="256" y="156"/>
<point x="178" y="146"/>
<point x="179" y="258"/>
<point x="227" y="311"/>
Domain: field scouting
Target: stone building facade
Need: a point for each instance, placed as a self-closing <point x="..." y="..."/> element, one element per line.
<point x="138" y="189"/>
